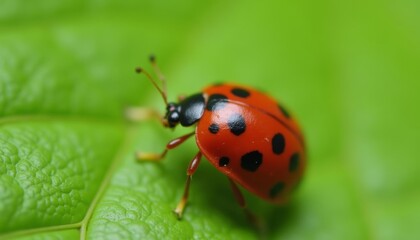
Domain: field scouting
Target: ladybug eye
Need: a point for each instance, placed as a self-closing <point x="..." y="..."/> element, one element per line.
<point x="171" y="107"/>
<point x="173" y="118"/>
<point x="172" y="114"/>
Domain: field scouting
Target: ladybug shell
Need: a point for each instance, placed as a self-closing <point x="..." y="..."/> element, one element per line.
<point x="251" y="139"/>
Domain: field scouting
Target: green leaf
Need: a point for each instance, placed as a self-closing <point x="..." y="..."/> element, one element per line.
<point x="349" y="71"/>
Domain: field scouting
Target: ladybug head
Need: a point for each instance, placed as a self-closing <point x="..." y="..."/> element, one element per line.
<point x="172" y="116"/>
<point x="186" y="112"/>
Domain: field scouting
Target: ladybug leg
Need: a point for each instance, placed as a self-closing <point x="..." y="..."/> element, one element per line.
<point x="181" y="98"/>
<point x="192" y="167"/>
<point x="172" y="144"/>
<point x="136" y="114"/>
<point x="238" y="194"/>
<point x="256" y="221"/>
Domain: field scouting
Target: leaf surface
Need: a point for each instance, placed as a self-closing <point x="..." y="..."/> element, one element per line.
<point x="348" y="71"/>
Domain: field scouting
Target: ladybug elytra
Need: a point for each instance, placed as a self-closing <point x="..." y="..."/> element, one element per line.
<point x="245" y="134"/>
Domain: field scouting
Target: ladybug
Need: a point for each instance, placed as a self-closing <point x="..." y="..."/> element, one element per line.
<point x="244" y="133"/>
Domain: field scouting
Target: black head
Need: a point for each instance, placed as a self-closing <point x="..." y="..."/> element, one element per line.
<point x="172" y="116"/>
<point x="186" y="112"/>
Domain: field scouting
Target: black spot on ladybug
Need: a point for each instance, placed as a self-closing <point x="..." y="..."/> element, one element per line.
<point x="216" y="102"/>
<point x="276" y="189"/>
<point x="278" y="143"/>
<point x="294" y="162"/>
<point x="240" y="92"/>
<point x="223" y="161"/>
<point x="251" y="161"/>
<point x="214" y="128"/>
<point x="284" y="111"/>
<point x="236" y="124"/>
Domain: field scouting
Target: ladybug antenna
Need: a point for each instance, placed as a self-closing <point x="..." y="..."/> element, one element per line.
<point x="162" y="90"/>
<point x="159" y="74"/>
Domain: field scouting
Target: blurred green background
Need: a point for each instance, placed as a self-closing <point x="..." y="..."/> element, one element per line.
<point x="348" y="70"/>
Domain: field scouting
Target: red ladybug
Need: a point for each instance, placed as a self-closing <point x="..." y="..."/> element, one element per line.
<point x="245" y="134"/>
